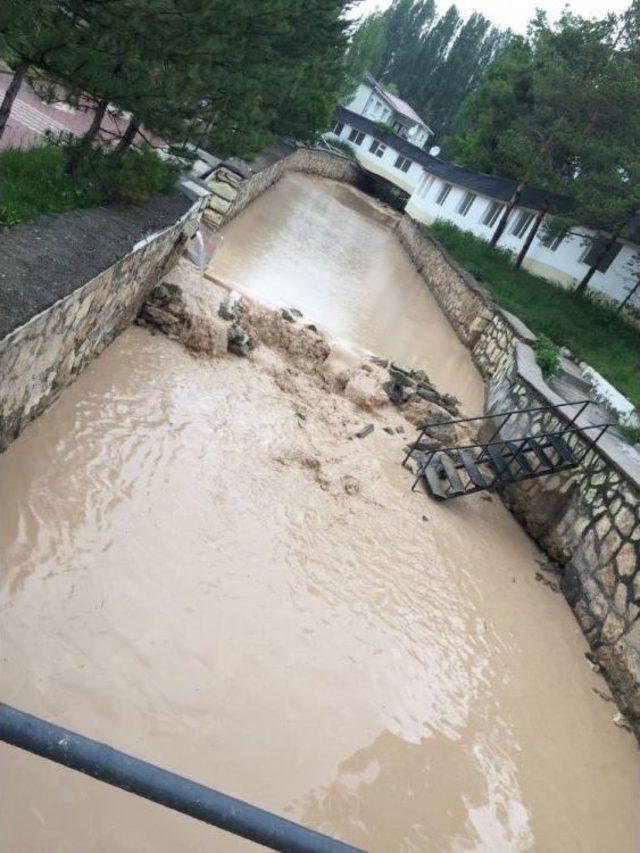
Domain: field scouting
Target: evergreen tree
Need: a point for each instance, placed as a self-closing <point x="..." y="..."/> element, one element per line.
<point x="229" y="74"/>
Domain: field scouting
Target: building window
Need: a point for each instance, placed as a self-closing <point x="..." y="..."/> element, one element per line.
<point x="402" y="163"/>
<point x="523" y="221"/>
<point x="443" y="194"/>
<point x="465" y="204"/>
<point x="338" y="128"/>
<point x="426" y="185"/>
<point x="551" y="241"/>
<point x="356" y="136"/>
<point x="593" y="250"/>
<point x="491" y="214"/>
<point x="378" y="148"/>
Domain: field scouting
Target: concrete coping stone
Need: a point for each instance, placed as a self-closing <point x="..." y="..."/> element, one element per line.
<point x="617" y="453"/>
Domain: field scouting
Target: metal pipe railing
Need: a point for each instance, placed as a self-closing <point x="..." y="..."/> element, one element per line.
<point x="506" y="415"/>
<point x="568" y="430"/>
<point x="116" y="768"/>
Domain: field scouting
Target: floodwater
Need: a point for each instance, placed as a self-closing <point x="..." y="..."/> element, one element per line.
<point x="195" y="574"/>
<point x="327" y="249"/>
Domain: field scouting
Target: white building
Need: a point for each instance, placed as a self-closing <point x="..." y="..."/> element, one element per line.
<point x="373" y="101"/>
<point x="474" y="201"/>
<point x="386" y="154"/>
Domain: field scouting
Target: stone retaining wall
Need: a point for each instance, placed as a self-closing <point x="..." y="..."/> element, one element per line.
<point x="587" y="519"/>
<point x="40" y="358"/>
<point x="231" y="192"/>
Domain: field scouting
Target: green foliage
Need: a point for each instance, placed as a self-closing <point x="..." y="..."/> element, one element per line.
<point x="629" y="432"/>
<point x="591" y="330"/>
<point x="35" y="180"/>
<point x="229" y="75"/>
<point x="433" y="61"/>
<point x="547" y="356"/>
<point x="559" y="110"/>
<point x="384" y="127"/>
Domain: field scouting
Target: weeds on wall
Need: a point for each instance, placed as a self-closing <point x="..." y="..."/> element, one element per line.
<point x="547" y="356"/>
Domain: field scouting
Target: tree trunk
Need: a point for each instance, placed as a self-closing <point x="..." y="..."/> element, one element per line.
<point x="532" y="233"/>
<point x="513" y="202"/>
<point x="127" y="137"/>
<point x="628" y="296"/>
<point x="19" y="73"/>
<point x="77" y="150"/>
<point x="96" y="123"/>
<point x="581" y="288"/>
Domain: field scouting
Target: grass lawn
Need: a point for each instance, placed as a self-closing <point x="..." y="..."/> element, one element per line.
<point x="33" y="181"/>
<point x="592" y="331"/>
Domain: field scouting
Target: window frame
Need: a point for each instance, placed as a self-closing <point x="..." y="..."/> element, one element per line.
<point x="467" y="202"/>
<point x="492" y="212"/>
<point x="443" y="195"/>
<point x="401" y="162"/>
<point x="354" y="134"/>
<point x="338" y="124"/>
<point x="595" y="245"/>
<point x="522" y="223"/>
<point x="377" y="148"/>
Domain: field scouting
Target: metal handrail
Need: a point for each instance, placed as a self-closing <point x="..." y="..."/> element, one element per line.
<point x="506" y="415"/>
<point x="183" y="795"/>
<point x="603" y="427"/>
<point x="549" y="406"/>
<point x="540" y="435"/>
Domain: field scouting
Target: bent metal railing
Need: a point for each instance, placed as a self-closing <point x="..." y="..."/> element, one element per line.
<point x="116" y="768"/>
<point x="551" y="408"/>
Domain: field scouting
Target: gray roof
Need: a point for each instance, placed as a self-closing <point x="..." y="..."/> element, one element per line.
<point x="489" y="185"/>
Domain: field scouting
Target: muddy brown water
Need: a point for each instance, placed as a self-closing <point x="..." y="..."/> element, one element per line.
<point x="186" y="576"/>
<point x="327" y="249"/>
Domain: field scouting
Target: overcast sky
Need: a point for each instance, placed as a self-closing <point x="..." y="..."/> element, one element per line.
<point x="513" y="13"/>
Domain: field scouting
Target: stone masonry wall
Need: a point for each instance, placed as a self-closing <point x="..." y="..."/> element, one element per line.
<point x="231" y="193"/>
<point x="40" y="358"/>
<point x="587" y="519"/>
<point x="458" y="294"/>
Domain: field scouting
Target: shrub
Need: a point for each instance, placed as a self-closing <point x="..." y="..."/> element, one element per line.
<point x="64" y="175"/>
<point x="547" y="356"/>
<point x="630" y="432"/>
<point x="384" y="127"/>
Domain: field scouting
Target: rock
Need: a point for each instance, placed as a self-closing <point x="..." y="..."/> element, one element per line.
<point x="400" y="430"/>
<point x="312" y="328"/>
<point x="424" y="518"/>
<point x="396" y="367"/>
<point x="302" y="415"/>
<point x="222" y="189"/>
<point x="365" y="431"/>
<point x="389" y="430"/>
<point x="543" y="560"/>
<point x="551" y="584"/>
<point x="379" y="360"/>
<point x="398" y="392"/>
<point x="296" y="312"/>
<point x="421" y="377"/>
<point x="239" y="342"/>
<point x="486" y="497"/>
<point x="228" y="309"/>
<point x="287" y="315"/>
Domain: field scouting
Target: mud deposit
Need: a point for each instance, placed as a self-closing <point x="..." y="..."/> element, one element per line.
<point x="201" y="567"/>
<point x="329" y="250"/>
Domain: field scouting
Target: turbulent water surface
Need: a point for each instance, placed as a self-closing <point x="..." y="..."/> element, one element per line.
<point x="196" y="574"/>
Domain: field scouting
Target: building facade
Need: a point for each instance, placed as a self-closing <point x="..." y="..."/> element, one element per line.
<point x="474" y="202"/>
<point x="374" y="102"/>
